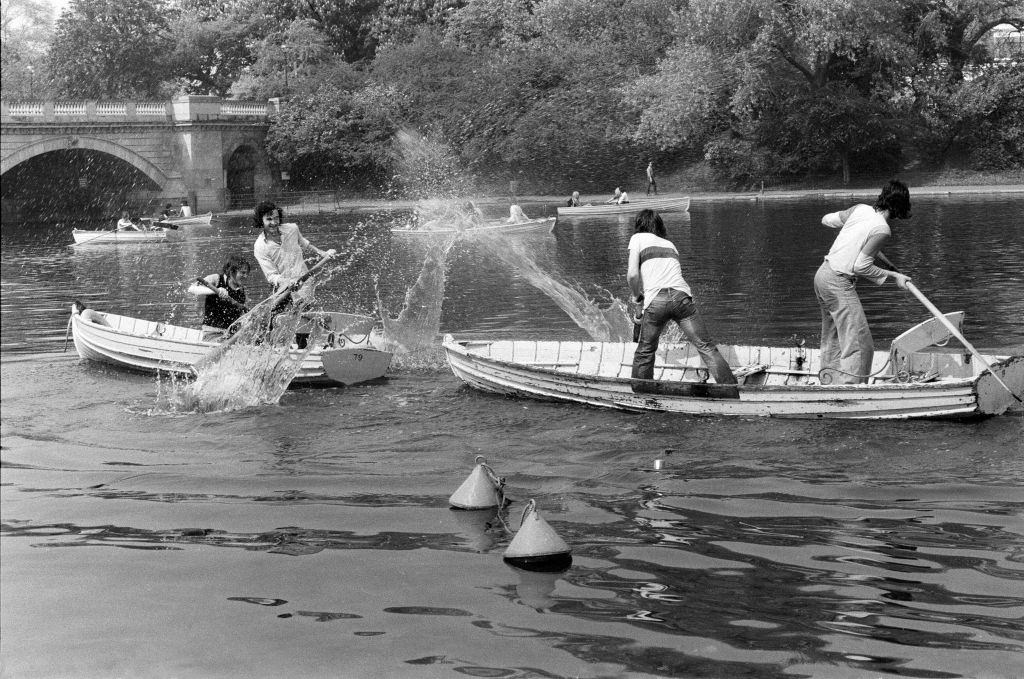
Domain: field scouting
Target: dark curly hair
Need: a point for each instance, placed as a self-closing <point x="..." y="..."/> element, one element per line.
<point x="895" y="197"/>
<point x="265" y="208"/>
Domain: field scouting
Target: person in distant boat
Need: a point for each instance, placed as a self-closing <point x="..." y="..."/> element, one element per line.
<point x="278" y="251"/>
<point x="651" y="183"/>
<point x="654" y="275"/>
<point x="574" y="200"/>
<point x="474" y="214"/>
<point x="126" y="223"/>
<point x="224" y="294"/>
<point x="185" y="210"/>
<point x="516" y="215"/>
<point x="623" y="198"/>
<point x="846" y="343"/>
<point x="616" y="197"/>
<point x="168" y="211"/>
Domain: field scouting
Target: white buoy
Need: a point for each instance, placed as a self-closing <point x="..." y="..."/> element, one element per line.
<point x="481" y="490"/>
<point x="536" y="546"/>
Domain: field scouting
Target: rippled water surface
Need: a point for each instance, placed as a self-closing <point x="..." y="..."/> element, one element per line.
<point x="313" y="538"/>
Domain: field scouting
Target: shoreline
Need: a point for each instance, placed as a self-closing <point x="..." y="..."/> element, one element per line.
<point x="376" y="204"/>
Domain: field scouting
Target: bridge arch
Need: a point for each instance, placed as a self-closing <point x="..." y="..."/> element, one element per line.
<point x="92" y="143"/>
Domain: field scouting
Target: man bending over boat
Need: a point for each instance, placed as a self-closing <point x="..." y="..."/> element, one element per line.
<point x="655" y="275"/>
<point x="278" y="251"/>
<point x="223" y="294"/>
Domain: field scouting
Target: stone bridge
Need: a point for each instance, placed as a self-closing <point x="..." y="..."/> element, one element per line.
<point x="201" y="149"/>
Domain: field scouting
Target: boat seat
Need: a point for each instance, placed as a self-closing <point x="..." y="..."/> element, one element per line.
<point x="745" y="372"/>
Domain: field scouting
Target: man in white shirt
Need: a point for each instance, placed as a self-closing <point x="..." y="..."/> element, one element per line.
<point x="278" y="250"/>
<point x="847" y="348"/>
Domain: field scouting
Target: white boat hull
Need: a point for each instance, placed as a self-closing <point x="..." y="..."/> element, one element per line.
<point x="659" y="204"/>
<point x="148" y="346"/>
<point x="84" y="236"/>
<point x="490" y="227"/>
<point x="597" y="374"/>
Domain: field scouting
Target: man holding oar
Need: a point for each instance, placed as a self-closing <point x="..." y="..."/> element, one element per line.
<point x="278" y="251"/>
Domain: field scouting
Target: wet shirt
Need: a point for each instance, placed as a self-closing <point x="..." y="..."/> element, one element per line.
<point x="282" y="263"/>
<point x="659" y="265"/>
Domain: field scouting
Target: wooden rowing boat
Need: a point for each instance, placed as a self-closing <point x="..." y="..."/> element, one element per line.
<point x="916" y="379"/>
<point x="97" y="237"/>
<point x="501" y="227"/>
<point x="351" y="354"/>
<point x="659" y="204"/>
<point x="195" y="220"/>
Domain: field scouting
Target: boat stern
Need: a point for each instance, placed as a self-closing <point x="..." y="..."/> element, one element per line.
<point x="993" y="397"/>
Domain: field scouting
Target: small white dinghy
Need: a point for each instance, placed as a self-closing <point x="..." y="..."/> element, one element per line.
<point x="601" y="209"/>
<point x="501" y="227"/>
<point x="915" y="379"/>
<point x="351" y="355"/>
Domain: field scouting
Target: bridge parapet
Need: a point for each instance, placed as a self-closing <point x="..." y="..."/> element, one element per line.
<point x="183" y="109"/>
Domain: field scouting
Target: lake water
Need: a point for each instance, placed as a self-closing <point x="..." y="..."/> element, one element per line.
<point x="313" y="538"/>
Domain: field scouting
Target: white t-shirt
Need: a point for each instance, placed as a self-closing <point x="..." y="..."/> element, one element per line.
<point x="282" y="264"/>
<point x="856" y="226"/>
<point x="659" y="265"/>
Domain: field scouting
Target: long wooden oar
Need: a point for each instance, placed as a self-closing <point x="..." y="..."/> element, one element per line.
<point x="273" y="301"/>
<point x="956" y="333"/>
<point x="232" y="300"/>
<point x="951" y="328"/>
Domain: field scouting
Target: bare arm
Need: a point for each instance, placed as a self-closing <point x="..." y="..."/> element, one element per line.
<point x="633" y="274"/>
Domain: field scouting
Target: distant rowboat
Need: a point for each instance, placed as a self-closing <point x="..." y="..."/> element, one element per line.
<point x="490" y="227"/>
<point x="659" y="204"/>
<point x="916" y="378"/>
<point x="84" y="236"/>
<point x="195" y="220"/>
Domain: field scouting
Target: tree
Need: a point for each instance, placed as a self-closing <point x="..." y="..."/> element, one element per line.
<point x="211" y="49"/>
<point x="112" y="49"/>
<point x="749" y="73"/>
<point x="327" y="137"/>
<point x="25" y="30"/>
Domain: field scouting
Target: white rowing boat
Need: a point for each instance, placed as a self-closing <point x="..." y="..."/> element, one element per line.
<point x="501" y="227"/>
<point x="916" y="379"/>
<point x="659" y="204"/>
<point x="195" y="220"/>
<point x="349" y="357"/>
<point x="84" y="236"/>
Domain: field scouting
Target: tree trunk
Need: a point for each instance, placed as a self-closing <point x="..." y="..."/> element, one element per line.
<point x="845" y="157"/>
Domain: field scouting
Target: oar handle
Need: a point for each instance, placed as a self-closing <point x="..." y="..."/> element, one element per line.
<point x="203" y="281"/>
<point x="277" y="297"/>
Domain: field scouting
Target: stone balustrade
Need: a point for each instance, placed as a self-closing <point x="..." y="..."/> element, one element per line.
<point x="181" y="109"/>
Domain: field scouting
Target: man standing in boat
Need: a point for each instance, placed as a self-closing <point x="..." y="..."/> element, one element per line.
<point x="654" y="275"/>
<point x="278" y="251"/>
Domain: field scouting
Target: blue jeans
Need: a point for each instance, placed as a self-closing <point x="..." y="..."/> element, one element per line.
<point x="846" y="342"/>
<point x="676" y="305"/>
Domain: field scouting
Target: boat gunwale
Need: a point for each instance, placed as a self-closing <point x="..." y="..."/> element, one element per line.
<point x="936" y="385"/>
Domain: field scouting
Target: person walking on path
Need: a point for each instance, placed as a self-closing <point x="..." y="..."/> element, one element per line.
<point x="846" y="343"/>
<point x="655" y="276"/>
<point x="651" y="183"/>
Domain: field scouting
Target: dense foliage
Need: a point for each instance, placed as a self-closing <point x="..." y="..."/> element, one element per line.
<point x="562" y="94"/>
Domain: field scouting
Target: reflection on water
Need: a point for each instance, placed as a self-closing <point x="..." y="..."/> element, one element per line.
<point x="314" y="537"/>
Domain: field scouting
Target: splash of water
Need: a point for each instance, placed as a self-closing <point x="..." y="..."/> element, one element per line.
<point x="261" y="362"/>
<point x="603" y="324"/>
<point x="412" y="334"/>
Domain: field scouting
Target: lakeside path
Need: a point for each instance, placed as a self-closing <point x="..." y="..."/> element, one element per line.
<point x="378" y="205"/>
